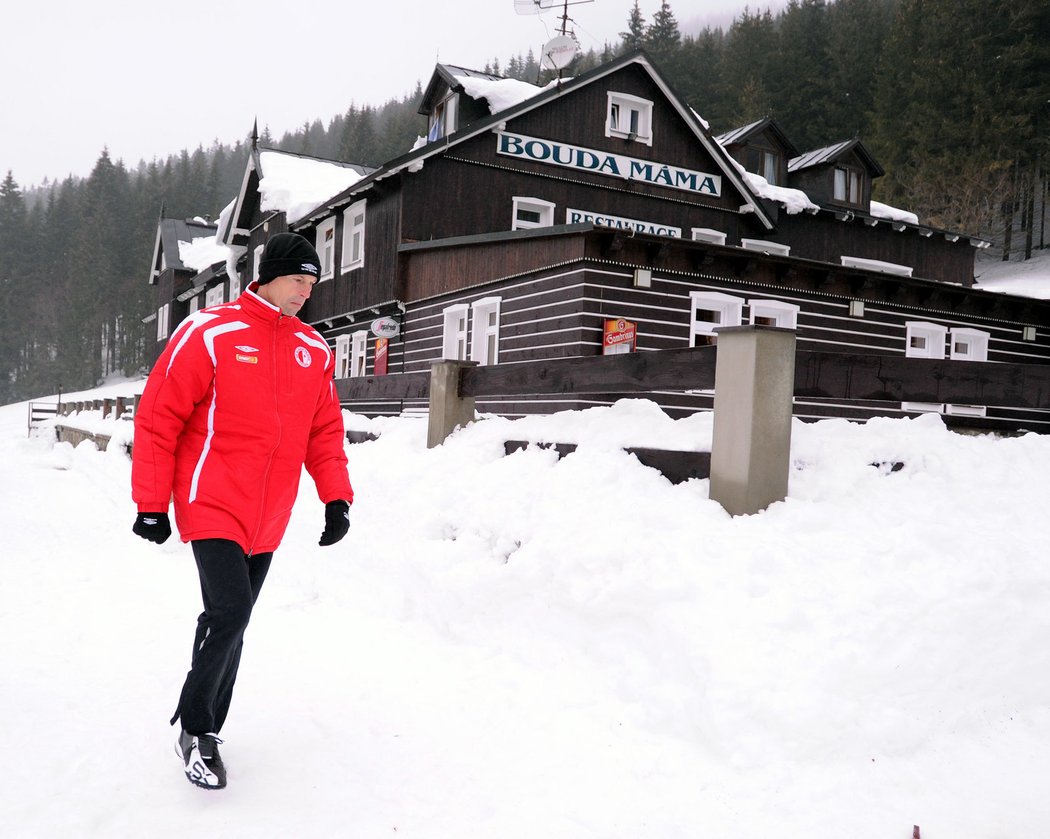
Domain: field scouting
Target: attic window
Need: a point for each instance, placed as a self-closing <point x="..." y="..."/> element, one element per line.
<point x="847" y="185"/>
<point x="443" y="119"/>
<point x="629" y="117"/>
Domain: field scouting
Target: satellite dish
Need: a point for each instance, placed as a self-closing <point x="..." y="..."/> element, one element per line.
<point x="558" y="52"/>
<point x="532" y="7"/>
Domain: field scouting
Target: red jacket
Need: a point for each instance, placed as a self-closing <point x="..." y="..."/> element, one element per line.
<point x="241" y="398"/>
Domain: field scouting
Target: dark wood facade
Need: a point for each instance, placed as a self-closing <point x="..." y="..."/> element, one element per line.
<point x="439" y="238"/>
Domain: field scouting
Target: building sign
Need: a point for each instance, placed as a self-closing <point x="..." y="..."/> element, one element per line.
<point x="621" y="223"/>
<point x="607" y="163"/>
<point x="386" y="328"/>
<point x="379" y="368"/>
<point x="619" y="336"/>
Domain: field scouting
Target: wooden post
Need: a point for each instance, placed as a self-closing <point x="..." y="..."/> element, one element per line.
<point x="107" y="406"/>
<point x="448" y="410"/>
<point x="119" y="407"/>
<point x="751" y="446"/>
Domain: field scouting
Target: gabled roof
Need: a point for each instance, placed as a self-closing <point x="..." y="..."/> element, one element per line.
<point x="745" y="132"/>
<point x="444" y="78"/>
<point x="170" y="232"/>
<point x="415" y="158"/>
<point x="297" y="183"/>
<point x="833" y="153"/>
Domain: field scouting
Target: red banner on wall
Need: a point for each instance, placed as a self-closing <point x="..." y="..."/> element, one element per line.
<point x="619" y="336"/>
<point x="380" y="366"/>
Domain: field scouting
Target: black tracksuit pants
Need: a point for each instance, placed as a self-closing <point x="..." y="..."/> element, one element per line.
<point x="230" y="585"/>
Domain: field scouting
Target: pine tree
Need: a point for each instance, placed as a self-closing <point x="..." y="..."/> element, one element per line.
<point x="662" y="37"/>
<point x="634" y="37"/>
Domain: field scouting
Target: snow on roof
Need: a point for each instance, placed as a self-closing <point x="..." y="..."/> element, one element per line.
<point x="793" y="200"/>
<point x="501" y="93"/>
<point x="892" y="213"/>
<point x="297" y="185"/>
<point x="202" y="252"/>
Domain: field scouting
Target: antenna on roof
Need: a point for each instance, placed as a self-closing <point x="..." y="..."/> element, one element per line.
<point x="560" y="50"/>
<point x="255" y="134"/>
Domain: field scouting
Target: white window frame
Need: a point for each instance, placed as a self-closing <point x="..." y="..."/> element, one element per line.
<point x="324" y="243"/>
<point x="354" y="219"/>
<point x="968" y="344"/>
<point x="545" y="210"/>
<point x="932" y="337"/>
<point x="846" y="185"/>
<point x="443" y="120"/>
<point x="765" y="246"/>
<point x="163" y="321"/>
<point x="729" y="308"/>
<point x="342" y="356"/>
<point x="195" y="304"/>
<point x="235" y="286"/>
<point x="214" y="295"/>
<point x="768" y="166"/>
<point x="620" y="108"/>
<point x="454" y="335"/>
<point x="484" y="336"/>
<point x="709" y="235"/>
<point x="359" y="353"/>
<point x="784" y="315"/>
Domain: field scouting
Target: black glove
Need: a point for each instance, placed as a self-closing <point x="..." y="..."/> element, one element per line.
<point x="336" y="522"/>
<point x="152" y="526"/>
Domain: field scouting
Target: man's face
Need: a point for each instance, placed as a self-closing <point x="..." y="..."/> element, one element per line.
<point x="288" y="293"/>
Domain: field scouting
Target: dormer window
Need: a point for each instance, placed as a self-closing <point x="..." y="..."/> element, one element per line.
<point x="769" y="168"/>
<point x="629" y="117"/>
<point x="443" y="119"/>
<point x="847" y="187"/>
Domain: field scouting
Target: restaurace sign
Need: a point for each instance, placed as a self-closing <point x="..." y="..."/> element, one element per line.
<point x="607" y="163"/>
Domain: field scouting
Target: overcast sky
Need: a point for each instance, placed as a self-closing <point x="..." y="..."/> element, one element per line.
<point x="147" y="79"/>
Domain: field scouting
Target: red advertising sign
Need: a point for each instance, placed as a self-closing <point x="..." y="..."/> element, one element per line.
<point x="619" y="336"/>
<point x="380" y="366"/>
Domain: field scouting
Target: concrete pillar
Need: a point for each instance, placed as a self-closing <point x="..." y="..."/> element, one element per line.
<point x="751" y="447"/>
<point x="448" y="410"/>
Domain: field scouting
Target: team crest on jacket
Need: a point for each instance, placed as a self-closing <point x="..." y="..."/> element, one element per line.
<point x="303" y="357"/>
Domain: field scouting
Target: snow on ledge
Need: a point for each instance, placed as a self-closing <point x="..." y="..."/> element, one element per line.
<point x="885" y="211"/>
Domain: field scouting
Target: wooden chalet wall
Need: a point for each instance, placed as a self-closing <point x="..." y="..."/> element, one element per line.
<point x="557" y="307"/>
<point x="827" y="238"/>
<point x="479" y="184"/>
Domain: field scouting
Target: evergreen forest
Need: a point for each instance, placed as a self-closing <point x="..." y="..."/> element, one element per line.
<point x="952" y="97"/>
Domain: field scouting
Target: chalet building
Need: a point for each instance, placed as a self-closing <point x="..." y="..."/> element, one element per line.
<point x="527" y="219"/>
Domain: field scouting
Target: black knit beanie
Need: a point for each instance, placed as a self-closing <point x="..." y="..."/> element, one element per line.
<point x="287" y="253"/>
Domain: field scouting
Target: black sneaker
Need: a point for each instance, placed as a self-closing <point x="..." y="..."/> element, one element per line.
<point x="200" y="754"/>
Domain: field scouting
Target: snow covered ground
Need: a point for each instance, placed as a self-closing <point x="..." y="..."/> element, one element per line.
<point x="521" y="647"/>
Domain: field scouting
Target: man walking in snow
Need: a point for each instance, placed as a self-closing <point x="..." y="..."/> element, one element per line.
<point x="242" y="398"/>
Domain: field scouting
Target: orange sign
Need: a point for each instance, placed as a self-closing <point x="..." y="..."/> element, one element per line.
<point x="380" y="366"/>
<point x="619" y="336"/>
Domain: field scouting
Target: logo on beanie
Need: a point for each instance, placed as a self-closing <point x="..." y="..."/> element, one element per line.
<point x="303" y="357"/>
<point x="309" y="268"/>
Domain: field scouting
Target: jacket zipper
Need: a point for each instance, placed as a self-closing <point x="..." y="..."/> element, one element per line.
<point x="273" y="451"/>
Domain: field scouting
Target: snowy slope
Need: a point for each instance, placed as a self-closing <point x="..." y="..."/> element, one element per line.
<point x="519" y="647"/>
